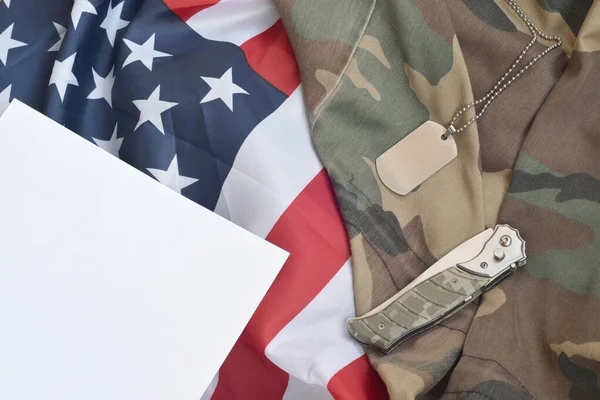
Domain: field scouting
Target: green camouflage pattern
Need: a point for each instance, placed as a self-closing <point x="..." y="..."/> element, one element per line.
<point x="427" y="301"/>
<point x="372" y="72"/>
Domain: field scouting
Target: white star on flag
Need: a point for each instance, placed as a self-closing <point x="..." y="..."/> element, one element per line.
<point x="80" y="7"/>
<point x="62" y="31"/>
<point x="171" y="177"/>
<point x="222" y="88"/>
<point x="143" y="52"/>
<point x="152" y="108"/>
<point x="62" y="75"/>
<point x="7" y="43"/>
<point x="113" y="22"/>
<point x="112" y="145"/>
<point x="104" y="86"/>
<point x="5" y="99"/>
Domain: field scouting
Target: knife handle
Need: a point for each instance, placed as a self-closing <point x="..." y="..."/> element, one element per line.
<point x="439" y="295"/>
<point x="417" y="309"/>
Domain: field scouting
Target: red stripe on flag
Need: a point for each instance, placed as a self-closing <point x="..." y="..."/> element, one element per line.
<point x="248" y="375"/>
<point x="271" y="55"/>
<point x="186" y="8"/>
<point x="357" y="380"/>
<point x="311" y="230"/>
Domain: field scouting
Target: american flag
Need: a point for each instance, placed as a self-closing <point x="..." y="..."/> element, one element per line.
<point x="205" y="97"/>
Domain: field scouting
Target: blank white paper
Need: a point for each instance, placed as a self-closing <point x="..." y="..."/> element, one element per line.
<point x="112" y="286"/>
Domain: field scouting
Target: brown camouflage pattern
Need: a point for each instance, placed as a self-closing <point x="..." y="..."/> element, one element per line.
<point x="373" y="71"/>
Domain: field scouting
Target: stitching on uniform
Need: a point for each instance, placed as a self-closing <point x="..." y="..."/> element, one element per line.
<point x="399" y="237"/>
<point x="325" y="100"/>
<point x="383" y="262"/>
<point x="504" y="368"/>
<point x="378" y="256"/>
<point x="453" y="329"/>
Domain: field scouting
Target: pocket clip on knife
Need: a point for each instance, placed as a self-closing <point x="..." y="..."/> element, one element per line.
<point x="450" y="284"/>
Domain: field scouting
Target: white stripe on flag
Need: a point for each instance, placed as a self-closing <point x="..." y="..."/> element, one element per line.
<point x="315" y="345"/>
<point x="298" y="390"/>
<point x="234" y="21"/>
<point x="273" y="166"/>
<point x="275" y="163"/>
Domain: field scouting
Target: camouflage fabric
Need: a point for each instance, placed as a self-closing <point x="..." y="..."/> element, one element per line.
<point x="375" y="70"/>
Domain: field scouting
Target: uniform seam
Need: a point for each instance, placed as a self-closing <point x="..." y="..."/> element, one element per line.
<point x="505" y="370"/>
<point x="453" y="329"/>
<point x="383" y="262"/>
<point x="398" y="236"/>
<point x="458" y="392"/>
<point x="329" y="96"/>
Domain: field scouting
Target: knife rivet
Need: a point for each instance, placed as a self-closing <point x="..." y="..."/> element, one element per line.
<point x="499" y="254"/>
<point x="483" y="265"/>
<point x="381" y="326"/>
<point x="505" y="241"/>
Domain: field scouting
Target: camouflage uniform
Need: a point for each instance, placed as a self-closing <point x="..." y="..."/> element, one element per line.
<point x="375" y="70"/>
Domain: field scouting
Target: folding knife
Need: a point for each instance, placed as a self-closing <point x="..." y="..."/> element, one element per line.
<point x="454" y="281"/>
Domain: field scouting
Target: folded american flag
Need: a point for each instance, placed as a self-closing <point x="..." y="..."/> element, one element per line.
<point x="205" y="97"/>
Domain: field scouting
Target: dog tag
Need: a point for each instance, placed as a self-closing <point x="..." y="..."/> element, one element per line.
<point x="415" y="158"/>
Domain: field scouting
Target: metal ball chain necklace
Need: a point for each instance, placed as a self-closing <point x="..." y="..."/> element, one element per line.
<point x="421" y="153"/>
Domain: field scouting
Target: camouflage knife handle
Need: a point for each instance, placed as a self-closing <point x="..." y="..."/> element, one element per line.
<point x="426" y="303"/>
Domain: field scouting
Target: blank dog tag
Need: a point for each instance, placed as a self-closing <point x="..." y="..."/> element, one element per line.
<point x="415" y="158"/>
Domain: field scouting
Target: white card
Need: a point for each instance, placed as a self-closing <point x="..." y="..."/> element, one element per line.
<point x="112" y="286"/>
